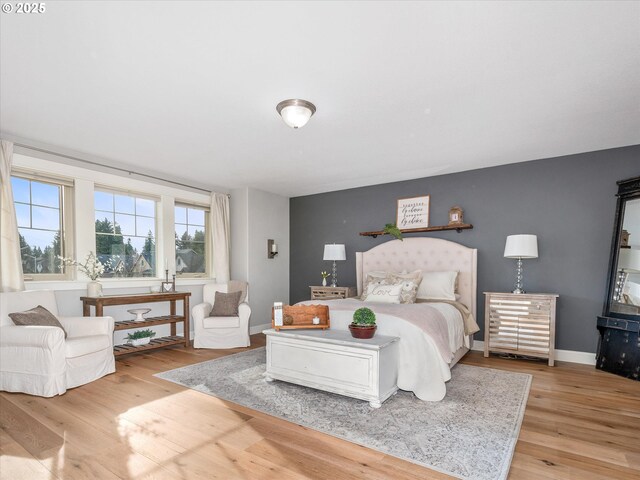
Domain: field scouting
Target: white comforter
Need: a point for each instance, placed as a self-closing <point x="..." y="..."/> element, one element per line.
<point x="421" y="367"/>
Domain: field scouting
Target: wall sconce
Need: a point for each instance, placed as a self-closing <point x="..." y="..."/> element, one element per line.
<point x="272" y="249"/>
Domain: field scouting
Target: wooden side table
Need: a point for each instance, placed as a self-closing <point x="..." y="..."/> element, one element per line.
<point x="330" y="293"/>
<point x="522" y="324"/>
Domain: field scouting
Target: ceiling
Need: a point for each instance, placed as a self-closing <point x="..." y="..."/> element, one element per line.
<point x="403" y="90"/>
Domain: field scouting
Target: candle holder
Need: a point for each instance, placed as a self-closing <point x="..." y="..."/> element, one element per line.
<point x="168" y="286"/>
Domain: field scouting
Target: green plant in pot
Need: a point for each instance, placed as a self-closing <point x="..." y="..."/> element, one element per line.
<point x="140" y="337"/>
<point x="364" y="323"/>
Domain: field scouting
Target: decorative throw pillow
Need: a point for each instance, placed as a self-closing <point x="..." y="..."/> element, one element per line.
<point x="37" y="316"/>
<point x="384" y="293"/>
<point x="438" y="286"/>
<point x="373" y="279"/>
<point x="410" y="283"/>
<point x="226" y="304"/>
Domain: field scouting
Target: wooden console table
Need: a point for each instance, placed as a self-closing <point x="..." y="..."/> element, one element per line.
<point x="172" y="297"/>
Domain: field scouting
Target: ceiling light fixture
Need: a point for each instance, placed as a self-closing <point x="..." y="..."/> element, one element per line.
<point x="295" y="112"/>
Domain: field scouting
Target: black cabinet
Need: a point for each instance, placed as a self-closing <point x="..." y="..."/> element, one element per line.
<point x="619" y="349"/>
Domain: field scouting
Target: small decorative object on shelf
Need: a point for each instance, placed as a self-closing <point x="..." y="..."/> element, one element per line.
<point x="455" y="216"/>
<point x="139" y="313"/>
<point x="624" y="238"/>
<point x="364" y="323"/>
<point x="141" y="337"/>
<point x="168" y="286"/>
<point x="324" y="274"/>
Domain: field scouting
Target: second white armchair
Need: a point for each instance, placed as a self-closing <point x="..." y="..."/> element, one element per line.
<point x="220" y="332"/>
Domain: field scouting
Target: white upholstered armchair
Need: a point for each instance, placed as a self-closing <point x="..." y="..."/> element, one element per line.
<point x="39" y="361"/>
<point x="220" y="332"/>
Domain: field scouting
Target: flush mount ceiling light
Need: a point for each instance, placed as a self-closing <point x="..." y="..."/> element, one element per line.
<point x="295" y="112"/>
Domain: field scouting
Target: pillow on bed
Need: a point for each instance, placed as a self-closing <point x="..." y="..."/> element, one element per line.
<point x="374" y="278"/>
<point x="383" y="293"/>
<point x="438" y="286"/>
<point x="410" y="283"/>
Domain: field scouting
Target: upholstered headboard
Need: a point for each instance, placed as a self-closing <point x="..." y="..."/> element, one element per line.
<point x="427" y="254"/>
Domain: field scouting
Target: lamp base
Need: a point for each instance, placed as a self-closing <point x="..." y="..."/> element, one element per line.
<point x="518" y="290"/>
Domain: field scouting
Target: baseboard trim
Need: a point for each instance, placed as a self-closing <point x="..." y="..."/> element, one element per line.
<point x="259" y="328"/>
<point x="586" y="358"/>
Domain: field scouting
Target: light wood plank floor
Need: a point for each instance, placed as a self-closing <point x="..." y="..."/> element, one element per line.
<point x="580" y="423"/>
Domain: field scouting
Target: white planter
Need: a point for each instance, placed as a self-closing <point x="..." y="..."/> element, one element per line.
<point x="94" y="289"/>
<point x="140" y="341"/>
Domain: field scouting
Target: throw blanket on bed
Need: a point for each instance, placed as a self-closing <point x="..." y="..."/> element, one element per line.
<point x="422" y="315"/>
<point x="470" y="325"/>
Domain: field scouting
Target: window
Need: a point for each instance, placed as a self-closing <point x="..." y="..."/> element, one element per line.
<point x="40" y="211"/>
<point x="125" y="234"/>
<point x="191" y="240"/>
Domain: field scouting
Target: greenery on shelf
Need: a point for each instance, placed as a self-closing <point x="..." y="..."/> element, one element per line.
<point x="364" y="317"/>
<point x="392" y="229"/>
<point x="141" y="334"/>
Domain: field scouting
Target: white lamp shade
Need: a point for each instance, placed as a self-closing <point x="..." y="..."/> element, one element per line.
<point x="629" y="260"/>
<point x="334" y="252"/>
<point x="521" y="246"/>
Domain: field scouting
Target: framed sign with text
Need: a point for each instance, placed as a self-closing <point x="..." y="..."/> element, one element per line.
<point x="413" y="212"/>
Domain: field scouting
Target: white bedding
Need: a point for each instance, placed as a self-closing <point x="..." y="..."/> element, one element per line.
<point x="421" y="367"/>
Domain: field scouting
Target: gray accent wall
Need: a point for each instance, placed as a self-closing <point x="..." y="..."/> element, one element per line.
<point x="568" y="202"/>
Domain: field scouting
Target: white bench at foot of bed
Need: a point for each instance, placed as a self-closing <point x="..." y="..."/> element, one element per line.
<point x="334" y="361"/>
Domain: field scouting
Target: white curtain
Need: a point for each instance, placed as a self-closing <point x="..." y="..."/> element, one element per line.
<point x="220" y="236"/>
<point x="11" y="279"/>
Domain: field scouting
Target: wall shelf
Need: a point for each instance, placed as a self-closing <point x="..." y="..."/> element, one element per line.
<point x="457" y="228"/>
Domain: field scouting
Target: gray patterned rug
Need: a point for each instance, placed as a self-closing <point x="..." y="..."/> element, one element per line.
<point x="471" y="434"/>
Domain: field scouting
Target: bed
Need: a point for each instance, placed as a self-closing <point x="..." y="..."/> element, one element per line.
<point x="424" y="365"/>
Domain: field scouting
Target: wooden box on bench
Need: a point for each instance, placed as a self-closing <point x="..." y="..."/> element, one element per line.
<point x="301" y="316"/>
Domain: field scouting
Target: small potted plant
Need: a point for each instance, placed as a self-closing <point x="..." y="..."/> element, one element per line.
<point x="140" y="337"/>
<point x="364" y="323"/>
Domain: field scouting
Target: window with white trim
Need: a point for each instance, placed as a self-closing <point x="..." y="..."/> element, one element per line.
<point x="125" y="233"/>
<point x="41" y="205"/>
<point x="192" y="240"/>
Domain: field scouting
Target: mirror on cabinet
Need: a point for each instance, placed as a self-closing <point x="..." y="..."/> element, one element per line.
<point x="625" y="295"/>
<point x="619" y="325"/>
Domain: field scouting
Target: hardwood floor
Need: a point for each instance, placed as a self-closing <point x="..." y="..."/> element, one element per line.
<point x="580" y="423"/>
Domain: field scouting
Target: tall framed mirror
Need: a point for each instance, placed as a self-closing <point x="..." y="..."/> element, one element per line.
<point x="619" y="325"/>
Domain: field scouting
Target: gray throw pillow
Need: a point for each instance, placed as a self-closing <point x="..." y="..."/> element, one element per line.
<point x="37" y="316"/>
<point x="226" y="304"/>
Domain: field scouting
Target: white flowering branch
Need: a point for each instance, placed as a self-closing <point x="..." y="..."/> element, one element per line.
<point x="92" y="267"/>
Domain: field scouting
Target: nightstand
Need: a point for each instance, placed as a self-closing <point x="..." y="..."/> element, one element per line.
<point x="330" y="293"/>
<point x="522" y="324"/>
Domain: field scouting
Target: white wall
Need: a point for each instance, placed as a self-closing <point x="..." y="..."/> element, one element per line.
<point x="257" y="216"/>
<point x="239" y="213"/>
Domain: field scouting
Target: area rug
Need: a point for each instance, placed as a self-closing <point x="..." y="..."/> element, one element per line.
<point x="471" y="434"/>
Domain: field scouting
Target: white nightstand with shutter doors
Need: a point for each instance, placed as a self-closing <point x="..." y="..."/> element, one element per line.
<point x="522" y="324"/>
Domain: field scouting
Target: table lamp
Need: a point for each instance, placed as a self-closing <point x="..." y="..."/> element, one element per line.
<point x="519" y="247"/>
<point x="334" y="252"/>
